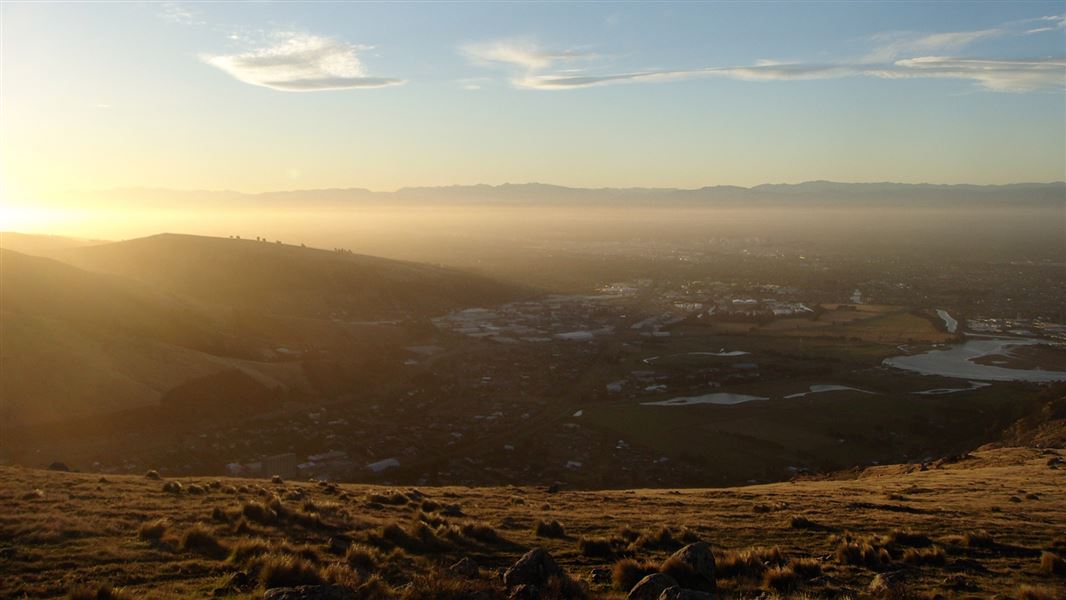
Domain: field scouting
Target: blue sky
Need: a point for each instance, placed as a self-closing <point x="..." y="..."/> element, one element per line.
<point x="383" y="95"/>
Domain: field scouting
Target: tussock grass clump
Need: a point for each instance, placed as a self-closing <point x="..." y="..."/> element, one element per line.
<point x="978" y="539"/>
<point x="933" y="556"/>
<point x="286" y="570"/>
<point x="440" y="585"/>
<point x="627" y="572"/>
<point x="100" y="592"/>
<point x="259" y="513"/>
<point x="750" y="563"/>
<point x="1052" y="564"/>
<point x="1032" y="592"/>
<point x="276" y="479"/>
<point x="662" y="539"/>
<point x="596" y="547"/>
<point x="153" y="475"/>
<point x="33" y="495"/>
<point x="153" y="530"/>
<point x="195" y="489"/>
<point x="362" y="557"/>
<point x="859" y="552"/>
<point x="217" y="514"/>
<point x="420" y="539"/>
<point x="807" y="568"/>
<point x="550" y="529"/>
<point x="802" y="522"/>
<point x="172" y="487"/>
<point x="909" y="538"/>
<point x="480" y="532"/>
<point x="201" y="540"/>
<point x="782" y="579"/>
<point x="394" y="498"/>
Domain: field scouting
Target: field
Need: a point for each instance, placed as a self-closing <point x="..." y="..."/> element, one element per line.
<point x="984" y="525"/>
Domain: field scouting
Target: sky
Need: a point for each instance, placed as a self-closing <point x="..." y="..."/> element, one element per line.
<point x="274" y="96"/>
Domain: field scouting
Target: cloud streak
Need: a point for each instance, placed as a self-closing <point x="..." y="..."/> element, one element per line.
<point x="298" y="62"/>
<point x="532" y="67"/>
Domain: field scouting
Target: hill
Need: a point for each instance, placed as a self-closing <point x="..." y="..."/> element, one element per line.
<point x="137" y="320"/>
<point x="77" y="343"/>
<point x="987" y="524"/>
<point x="291" y="280"/>
<point x="807" y="194"/>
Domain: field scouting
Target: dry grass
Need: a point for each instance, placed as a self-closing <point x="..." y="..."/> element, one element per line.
<point x="130" y="536"/>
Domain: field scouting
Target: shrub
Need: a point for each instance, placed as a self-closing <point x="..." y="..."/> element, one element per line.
<point x="276" y="479"/>
<point x="153" y="530"/>
<point x="1052" y="564"/>
<point x="596" y="547"/>
<point x="201" y="540"/>
<point x="627" y="572"/>
<point x="172" y="487"/>
<point x="217" y="514"/>
<point x="286" y="570"/>
<point x="153" y="475"/>
<point x="195" y="489"/>
<point x="550" y="529"/>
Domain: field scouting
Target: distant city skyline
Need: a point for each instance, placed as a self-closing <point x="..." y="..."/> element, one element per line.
<point x="281" y="96"/>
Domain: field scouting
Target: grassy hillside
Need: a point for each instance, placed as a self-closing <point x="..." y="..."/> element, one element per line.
<point x="990" y="524"/>
<point x="291" y="280"/>
<point x="77" y="343"/>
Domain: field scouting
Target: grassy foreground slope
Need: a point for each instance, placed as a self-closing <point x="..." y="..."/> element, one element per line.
<point x="990" y="524"/>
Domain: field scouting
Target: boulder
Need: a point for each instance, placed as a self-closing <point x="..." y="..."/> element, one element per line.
<point x="465" y="568"/>
<point x="692" y="567"/>
<point x="679" y="593"/>
<point x="534" y="568"/>
<point x="651" y="587"/>
<point x="311" y="592"/>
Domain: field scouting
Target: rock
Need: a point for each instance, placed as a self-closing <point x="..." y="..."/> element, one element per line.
<point x="311" y="592"/>
<point x="651" y="587"/>
<point x="679" y="593"/>
<point x="693" y="567"/>
<point x="58" y="466"/>
<point x="534" y="568"/>
<point x="465" y="568"/>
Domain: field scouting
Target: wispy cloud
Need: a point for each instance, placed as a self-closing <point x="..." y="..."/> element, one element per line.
<point x="896" y="55"/>
<point x="176" y="12"/>
<point x="523" y="55"/>
<point x="299" y="62"/>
